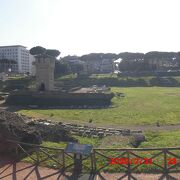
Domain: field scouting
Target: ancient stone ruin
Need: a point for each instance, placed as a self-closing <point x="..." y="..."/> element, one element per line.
<point x="57" y="129"/>
<point x="13" y="127"/>
<point x="80" y="130"/>
<point x="52" y="132"/>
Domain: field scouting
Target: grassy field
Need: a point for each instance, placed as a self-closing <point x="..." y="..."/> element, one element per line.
<point x="140" y="106"/>
<point x="153" y="139"/>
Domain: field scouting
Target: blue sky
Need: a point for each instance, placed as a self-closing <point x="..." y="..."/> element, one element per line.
<point x="85" y="26"/>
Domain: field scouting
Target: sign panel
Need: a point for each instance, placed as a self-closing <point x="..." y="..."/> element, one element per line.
<point x="76" y="148"/>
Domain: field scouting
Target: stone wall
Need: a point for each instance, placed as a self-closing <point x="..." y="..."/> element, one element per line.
<point x="85" y="131"/>
<point x="57" y="98"/>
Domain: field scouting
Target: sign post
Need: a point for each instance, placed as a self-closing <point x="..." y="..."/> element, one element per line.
<point x="79" y="150"/>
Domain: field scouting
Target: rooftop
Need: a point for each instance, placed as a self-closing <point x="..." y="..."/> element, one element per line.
<point x="13" y="46"/>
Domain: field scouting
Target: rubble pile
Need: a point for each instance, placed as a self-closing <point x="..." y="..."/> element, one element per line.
<point x="1" y="98"/>
<point x="14" y="127"/>
<point x="86" y="131"/>
<point x="137" y="139"/>
<point x="52" y="131"/>
<point x="21" y="128"/>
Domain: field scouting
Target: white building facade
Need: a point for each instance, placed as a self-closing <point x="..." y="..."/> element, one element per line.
<point x="20" y="55"/>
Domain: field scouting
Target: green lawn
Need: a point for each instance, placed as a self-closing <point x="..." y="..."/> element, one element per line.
<point x="153" y="139"/>
<point x="140" y="106"/>
<point x="161" y="139"/>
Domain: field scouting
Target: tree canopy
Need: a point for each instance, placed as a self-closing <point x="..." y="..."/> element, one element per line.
<point x="159" y="55"/>
<point x="98" y="56"/>
<point x="131" y="56"/>
<point x="52" y="52"/>
<point x="38" y="50"/>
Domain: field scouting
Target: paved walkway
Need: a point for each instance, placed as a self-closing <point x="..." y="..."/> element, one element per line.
<point x="26" y="171"/>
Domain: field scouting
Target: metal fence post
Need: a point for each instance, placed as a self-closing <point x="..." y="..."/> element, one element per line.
<point x="165" y="160"/>
<point x="94" y="159"/>
<point x="63" y="158"/>
<point x="129" y="166"/>
<point x="92" y="162"/>
<point x="37" y="155"/>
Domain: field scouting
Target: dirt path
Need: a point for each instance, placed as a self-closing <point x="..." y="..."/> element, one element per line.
<point x="151" y="127"/>
<point x="25" y="171"/>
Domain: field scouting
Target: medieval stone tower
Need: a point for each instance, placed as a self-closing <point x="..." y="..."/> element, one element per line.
<point x="45" y="73"/>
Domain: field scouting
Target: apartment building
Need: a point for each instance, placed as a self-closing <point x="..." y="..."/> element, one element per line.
<point x="20" y="55"/>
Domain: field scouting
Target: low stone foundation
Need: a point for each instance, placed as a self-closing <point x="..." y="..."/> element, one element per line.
<point x="58" y="99"/>
<point x="85" y="131"/>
